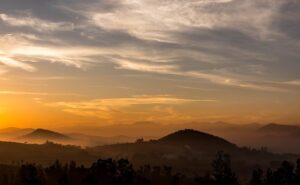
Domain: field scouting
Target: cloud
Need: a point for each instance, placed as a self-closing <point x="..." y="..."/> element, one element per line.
<point x="27" y="93"/>
<point x="288" y="19"/>
<point x="232" y="47"/>
<point x="155" y="19"/>
<point x="15" y="63"/>
<point x="220" y="41"/>
<point x="2" y="71"/>
<point x="18" y="51"/>
<point x="48" y="78"/>
<point x="292" y="82"/>
<point x="214" y="78"/>
<point x="35" y="23"/>
<point x="108" y="108"/>
<point x="146" y="67"/>
<point x="22" y="93"/>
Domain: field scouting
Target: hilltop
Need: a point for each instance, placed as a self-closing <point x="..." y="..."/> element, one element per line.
<point x="196" y="139"/>
<point x="44" y="135"/>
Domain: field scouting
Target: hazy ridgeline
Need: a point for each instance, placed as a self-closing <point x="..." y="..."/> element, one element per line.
<point x="189" y="153"/>
<point x="149" y="92"/>
<point x="122" y="172"/>
<point x="273" y="136"/>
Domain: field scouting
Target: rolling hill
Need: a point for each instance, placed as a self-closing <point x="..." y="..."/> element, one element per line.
<point x="42" y="153"/>
<point x="185" y="150"/>
<point x="186" y="144"/>
<point x="44" y="135"/>
<point x="191" y="149"/>
<point x="197" y="140"/>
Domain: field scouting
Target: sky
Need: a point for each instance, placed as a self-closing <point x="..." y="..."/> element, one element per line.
<point x="102" y="62"/>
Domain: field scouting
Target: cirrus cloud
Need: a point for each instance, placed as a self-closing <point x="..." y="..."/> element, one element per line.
<point x="109" y="109"/>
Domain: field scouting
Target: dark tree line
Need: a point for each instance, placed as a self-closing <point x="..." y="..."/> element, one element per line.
<point x="121" y="172"/>
<point x="286" y="174"/>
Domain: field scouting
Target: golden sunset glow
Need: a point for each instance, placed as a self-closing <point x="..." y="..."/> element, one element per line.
<point x="149" y="92"/>
<point x="160" y="61"/>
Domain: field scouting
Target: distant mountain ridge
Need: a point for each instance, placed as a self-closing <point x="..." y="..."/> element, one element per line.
<point x="181" y="148"/>
<point x="43" y="134"/>
<point x="272" y="135"/>
<point x="13" y="132"/>
<point x="187" y="142"/>
<point x="279" y="128"/>
<point x="14" y="129"/>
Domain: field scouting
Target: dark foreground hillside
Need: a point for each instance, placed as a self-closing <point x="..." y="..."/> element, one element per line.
<point x="188" y="152"/>
<point x="121" y="172"/>
<point x="42" y="153"/>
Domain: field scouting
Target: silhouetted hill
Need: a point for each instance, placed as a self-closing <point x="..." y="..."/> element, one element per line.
<point x="187" y="144"/>
<point x="42" y="134"/>
<point x="41" y="153"/>
<point x="185" y="150"/>
<point x="197" y="140"/>
<point x="279" y="129"/>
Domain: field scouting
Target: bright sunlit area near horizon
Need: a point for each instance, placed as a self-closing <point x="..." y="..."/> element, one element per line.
<point x="132" y="79"/>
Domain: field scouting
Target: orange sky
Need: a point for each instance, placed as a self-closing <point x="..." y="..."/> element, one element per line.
<point x="107" y="62"/>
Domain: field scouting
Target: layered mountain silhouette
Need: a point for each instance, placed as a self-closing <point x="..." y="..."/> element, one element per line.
<point x="274" y="136"/>
<point x="184" y="143"/>
<point x="183" y="148"/>
<point x="279" y="129"/>
<point x="278" y="138"/>
<point x="41" y="153"/>
<point x="13" y="132"/>
<point x="44" y="135"/>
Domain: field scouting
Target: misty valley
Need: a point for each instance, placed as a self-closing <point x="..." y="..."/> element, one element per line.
<point x="149" y="92"/>
<point x="186" y="156"/>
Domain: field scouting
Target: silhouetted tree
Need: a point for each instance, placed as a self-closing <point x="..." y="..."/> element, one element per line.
<point x="257" y="177"/>
<point x="64" y="180"/>
<point x="89" y="180"/>
<point x="175" y="180"/>
<point x="270" y="178"/>
<point x="28" y="175"/>
<point x="285" y="174"/>
<point x="55" y="172"/>
<point x="121" y="172"/>
<point x="222" y="170"/>
<point x="205" y="180"/>
<point x="297" y="172"/>
<point x="125" y="172"/>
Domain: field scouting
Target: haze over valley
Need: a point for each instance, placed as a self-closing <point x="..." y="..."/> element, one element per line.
<point x="149" y="92"/>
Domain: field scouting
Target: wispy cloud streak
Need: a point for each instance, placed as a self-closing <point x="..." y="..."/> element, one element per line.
<point x="109" y="108"/>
